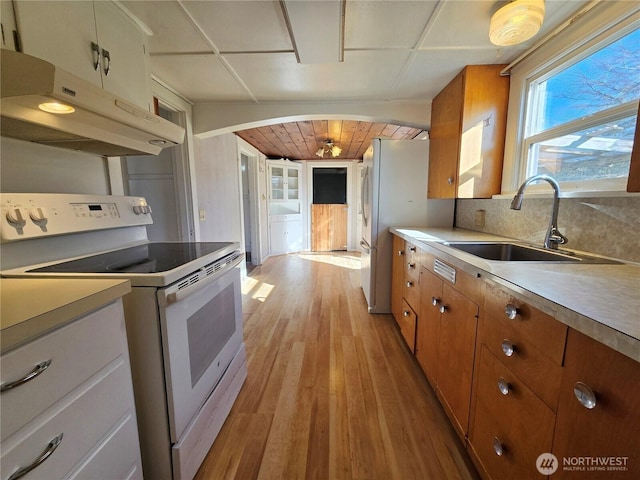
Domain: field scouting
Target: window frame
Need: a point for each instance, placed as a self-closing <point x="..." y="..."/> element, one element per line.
<point x="602" y="26"/>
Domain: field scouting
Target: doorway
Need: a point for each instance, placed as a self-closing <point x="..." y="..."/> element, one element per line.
<point x="163" y="179"/>
<point x="329" y="209"/>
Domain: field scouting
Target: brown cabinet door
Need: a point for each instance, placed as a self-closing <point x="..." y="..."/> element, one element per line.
<point x="458" y="324"/>
<point x="444" y="140"/>
<point x="397" y="276"/>
<point x="428" y="329"/>
<point x="609" y="431"/>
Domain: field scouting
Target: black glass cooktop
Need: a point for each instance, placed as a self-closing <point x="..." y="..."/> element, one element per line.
<point x="147" y="258"/>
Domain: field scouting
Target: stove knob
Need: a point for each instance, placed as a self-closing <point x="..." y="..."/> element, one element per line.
<point x="38" y="215"/>
<point x="15" y="218"/>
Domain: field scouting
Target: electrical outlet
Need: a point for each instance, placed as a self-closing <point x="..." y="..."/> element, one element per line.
<point x="479" y="218"/>
<point x="202" y="213"/>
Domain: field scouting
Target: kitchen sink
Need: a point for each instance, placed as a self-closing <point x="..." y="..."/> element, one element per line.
<point x="518" y="252"/>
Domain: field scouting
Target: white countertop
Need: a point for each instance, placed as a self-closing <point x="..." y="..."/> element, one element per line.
<point x="599" y="300"/>
<point x="31" y="307"/>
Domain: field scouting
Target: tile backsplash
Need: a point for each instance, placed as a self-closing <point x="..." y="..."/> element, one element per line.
<point x="605" y="226"/>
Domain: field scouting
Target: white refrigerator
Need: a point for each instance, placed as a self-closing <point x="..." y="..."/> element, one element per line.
<point x="394" y="194"/>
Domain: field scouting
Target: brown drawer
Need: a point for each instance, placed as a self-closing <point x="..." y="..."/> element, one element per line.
<point x="411" y="291"/>
<point x="540" y="330"/>
<point x="536" y="370"/>
<point x="517" y="425"/>
<point x="412" y="261"/>
<point x="407" y="323"/>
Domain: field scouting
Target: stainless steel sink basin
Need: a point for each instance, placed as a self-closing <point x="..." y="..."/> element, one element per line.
<point x="518" y="252"/>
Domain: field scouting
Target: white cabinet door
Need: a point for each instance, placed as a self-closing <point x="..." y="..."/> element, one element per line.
<point x="129" y="73"/>
<point x="8" y="21"/>
<point x="60" y="33"/>
<point x="285" y="236"/>
<point x="64" y="32"/>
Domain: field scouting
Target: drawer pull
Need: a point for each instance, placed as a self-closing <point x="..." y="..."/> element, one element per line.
<point x="38" y="369"/>
<point x="508" y="348"/>
<point x="406" y="313"/>
<point x="400" y="253"/>
<point x="498" y="447"/>
<point x="412" y="249"/>
<point x="504" y="386"/>
<point x="443" y="308"/>
<point x="53" y="444"/>
<point x="435" y="301"/>
<point x="409" y="284"/>
<point x="411" y="265"/>
<point x="511" y="311"/>
<point x="585" y="395"/>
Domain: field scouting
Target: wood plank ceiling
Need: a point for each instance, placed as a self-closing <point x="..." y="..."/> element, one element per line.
<point x="301" y="140"/>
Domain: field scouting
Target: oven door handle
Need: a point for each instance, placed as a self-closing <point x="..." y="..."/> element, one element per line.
<point x="166" y="298"/>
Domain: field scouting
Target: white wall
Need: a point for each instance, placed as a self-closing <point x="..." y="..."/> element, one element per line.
<point x="218" y="183"/>
<point x="27" y="167"/>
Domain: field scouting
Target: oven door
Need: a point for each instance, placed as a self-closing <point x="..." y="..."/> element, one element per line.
<point x="201" y="333"/>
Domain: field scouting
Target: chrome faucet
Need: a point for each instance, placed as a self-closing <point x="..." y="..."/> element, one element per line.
<point x="553" y="238"/>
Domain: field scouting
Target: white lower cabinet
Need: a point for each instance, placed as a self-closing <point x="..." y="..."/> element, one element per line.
<point x="285" y="236"/>
<point x="79" y="409"/>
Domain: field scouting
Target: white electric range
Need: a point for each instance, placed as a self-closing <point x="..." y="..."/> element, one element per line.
<point x="183" y="315"/>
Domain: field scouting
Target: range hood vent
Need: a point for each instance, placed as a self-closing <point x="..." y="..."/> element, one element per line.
<point x="102" y="123"/>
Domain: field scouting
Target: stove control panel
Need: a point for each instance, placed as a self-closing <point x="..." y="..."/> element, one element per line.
<point x="32" y="215"/>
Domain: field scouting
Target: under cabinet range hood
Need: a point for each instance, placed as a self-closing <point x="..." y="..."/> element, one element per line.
<point x="95" y="121"/>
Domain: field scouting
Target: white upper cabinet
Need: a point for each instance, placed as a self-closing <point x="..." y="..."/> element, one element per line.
<point x="96" y="41"/>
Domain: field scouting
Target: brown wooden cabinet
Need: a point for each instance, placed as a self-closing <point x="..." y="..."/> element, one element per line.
<point x="516" y="388"/>
<point x="405" y="290"/>
<point x="456" y="352"/>
<point x="428" y="332"/>
<point x="468" y="125"/>
<point x="610" y="429"/>
<point x="397" y="276"/>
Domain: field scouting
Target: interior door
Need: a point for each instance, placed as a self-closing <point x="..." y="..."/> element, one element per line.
<point x="328" y="227"/>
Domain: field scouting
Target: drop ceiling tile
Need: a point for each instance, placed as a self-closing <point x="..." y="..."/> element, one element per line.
<point x="242" y="26"/>
<point x="198" y="77"/>
<point x="172" y="30"/>
<point x="431" y="70"/>
<point x="366" y="75"/>
<point x="385" y="24"/>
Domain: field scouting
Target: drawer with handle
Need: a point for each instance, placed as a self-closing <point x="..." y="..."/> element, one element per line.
<point x="38" y="374"/>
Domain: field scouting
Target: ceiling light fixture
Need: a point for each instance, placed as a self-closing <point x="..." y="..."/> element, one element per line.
<point x="330" y="148"/>
<point x="516" y="22"/>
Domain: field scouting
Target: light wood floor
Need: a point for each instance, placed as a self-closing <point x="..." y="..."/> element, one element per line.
<point x="332" y="391"/>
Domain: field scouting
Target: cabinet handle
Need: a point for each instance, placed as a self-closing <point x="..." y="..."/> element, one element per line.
<point x="450" y="180"/>
<point x="46" y="453"/>
<point x="412" y="249"/>
<point x="95" y="51"/>
<point x="38" y="369"/>
<point x="435" y="301"/>
<point x="504" y="386"/>
<point x="106" y="62"/>
<point x="400" y="253"/>
<point x="409" y="284"/>
<point x="511" y="311"/>
<point x="508" y="348"/>
<point x="443" y="308"/>
<point x="498" y="447"/>
<point x="411" y="265"/>
<point x="406" y="313"/>
<point x="585" y="395"/>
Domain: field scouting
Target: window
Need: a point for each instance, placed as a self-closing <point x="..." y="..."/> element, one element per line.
<point x="581" y="113"/>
